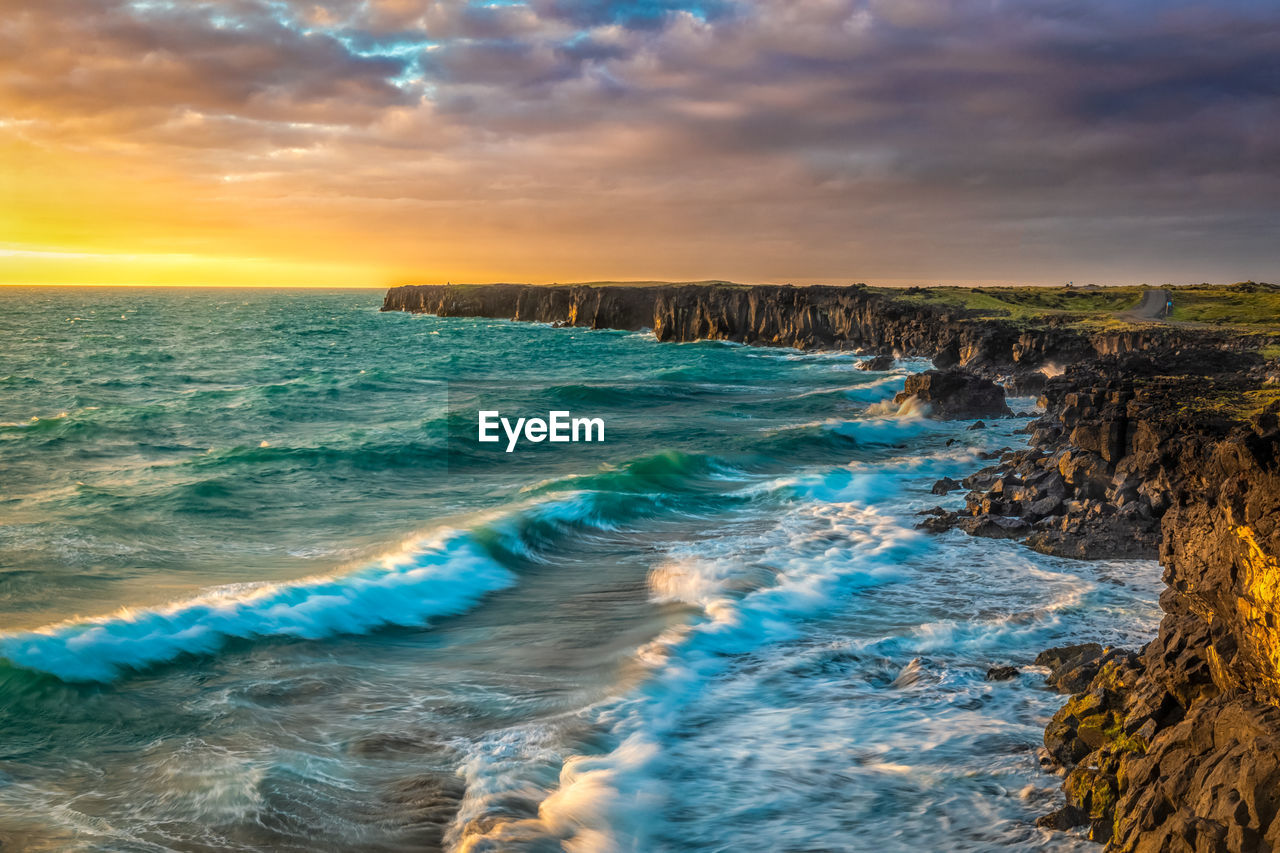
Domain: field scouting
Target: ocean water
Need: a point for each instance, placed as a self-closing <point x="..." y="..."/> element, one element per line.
<point x="258" y="592"/>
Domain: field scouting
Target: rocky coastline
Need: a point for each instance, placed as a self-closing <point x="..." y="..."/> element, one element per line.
<point x="1155" y="442"/>
<point x="816" y="317"/>
<point x="1177" y="746"/>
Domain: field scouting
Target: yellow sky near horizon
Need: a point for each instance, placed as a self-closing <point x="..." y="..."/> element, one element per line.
<point x="88" y="217"/>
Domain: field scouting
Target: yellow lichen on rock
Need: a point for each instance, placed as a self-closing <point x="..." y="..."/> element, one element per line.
<point x="1259" y="603"/>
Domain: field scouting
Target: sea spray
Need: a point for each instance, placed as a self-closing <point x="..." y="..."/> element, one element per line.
<point x="612" y="801"/>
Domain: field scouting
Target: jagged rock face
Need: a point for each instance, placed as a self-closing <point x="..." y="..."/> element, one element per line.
<point x="951" y="394"/>
<point x="1159" y="761"/>
<point x="1079" y="490"/>
<point x="1222" y="538"/>
<point x="1107" y="461"/>
<point x="1209" y="783"/>
<point x="1179" y="749"/>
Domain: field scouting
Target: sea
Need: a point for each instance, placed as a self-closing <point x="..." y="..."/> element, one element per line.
<point x="261" y="590"/>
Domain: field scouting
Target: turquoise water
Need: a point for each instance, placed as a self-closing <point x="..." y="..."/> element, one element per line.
<point x="260" y="591"/>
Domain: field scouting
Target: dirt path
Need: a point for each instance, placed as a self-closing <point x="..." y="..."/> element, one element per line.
<point x="1154" y="308"/>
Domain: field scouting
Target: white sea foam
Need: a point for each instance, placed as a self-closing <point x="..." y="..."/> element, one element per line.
<point x="445" y="574"/>
<point x="872" y="391"/>
<point x="820" y="553"/>
<point x="709" y="711"/>
<point x="882" y="423"/>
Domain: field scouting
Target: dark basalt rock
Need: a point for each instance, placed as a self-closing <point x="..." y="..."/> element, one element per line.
<point x="955" y="394"/>
<point x="1209" y="783"/>
<point x="1002" y="673"/>
<point x="994" y="526"/>
<point x="1067" y="817"/>
<point x="1071" y="668"/>
<point x="945" y="485"/>
<point x="879" y="363"/>
<point x="1179" y="748"/>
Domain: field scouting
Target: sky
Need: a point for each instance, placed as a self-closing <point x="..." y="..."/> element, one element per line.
<point x="373" y="142"/>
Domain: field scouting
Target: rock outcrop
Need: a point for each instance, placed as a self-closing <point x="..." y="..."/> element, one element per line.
<point x="951" y="394"/>
<point x="880" y="362"/>
<point x="1176" y="748"/>
<point x="1105" y="461"/>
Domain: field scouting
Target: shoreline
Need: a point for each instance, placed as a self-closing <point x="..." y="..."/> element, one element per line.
<point x="1156" y="441"/>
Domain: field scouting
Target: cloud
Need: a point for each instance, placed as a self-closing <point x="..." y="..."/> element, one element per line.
<point x="993" y="135"/>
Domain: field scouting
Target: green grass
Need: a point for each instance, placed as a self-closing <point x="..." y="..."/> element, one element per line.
<point x="1247" y="306"/>
<point x="1244" y="304"/>
<point x="718" y="282"/>
<point x="1025" y="303"/>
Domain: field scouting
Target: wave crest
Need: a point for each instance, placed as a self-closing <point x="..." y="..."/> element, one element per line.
<point x="438" y="577"/>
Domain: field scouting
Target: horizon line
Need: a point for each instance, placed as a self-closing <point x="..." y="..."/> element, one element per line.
<point x="883" y="282"/>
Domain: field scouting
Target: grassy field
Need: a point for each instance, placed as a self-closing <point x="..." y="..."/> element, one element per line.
<point x="1025" y="303"/>
<point x="1238" y="305"/>
<point x="1248" y="306"/>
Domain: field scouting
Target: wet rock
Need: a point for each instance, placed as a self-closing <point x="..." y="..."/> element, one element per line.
<point x="1067" y="817"/>
<point x="1002" y="673"/>
<point x="976" y="425"/>
<point x="947" y="357"/>
<point x="955" y="394"/>
<point x="1044" y="507"/>
<point x="994" y="526"/>
<point x="1097" y="537"/>
<point x="939" y="522"/>
<point x="1071" y="668"/>
<point x="879" y="363"/>
<point x="945" y="485"/>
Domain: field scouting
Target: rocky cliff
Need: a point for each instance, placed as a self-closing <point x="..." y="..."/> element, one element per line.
<point x="853" y="317"/>
<point x="1176" y="747"/>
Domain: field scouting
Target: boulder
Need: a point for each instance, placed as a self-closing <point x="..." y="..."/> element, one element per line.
<point x="955" y="394"/>
<point x="946" y="484"/>
<point x="1071" y="668"/>
<point x="879" y="363"/>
